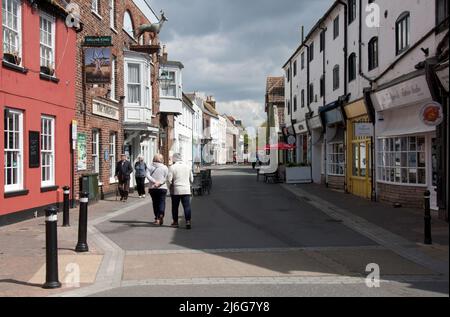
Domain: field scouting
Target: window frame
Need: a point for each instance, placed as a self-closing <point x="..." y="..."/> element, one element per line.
<point x="336" y="77"/>
<point x="336" y="27"/>
<point x="311" y="52"/>
<point x="402" y="37"/>
<point x="18" y="31"/>
<point x="373" y="52"/>
<point x="112" y="14"/>
<point x="311" y="93"/>
<point x="387" y="152"/>
<point x="48" y="18"/>
<point x="95" y="148"/>
<point x="332" y="154"/>
<point x="20" y="151"/>
<point x="112" y="156"/>
<point x="351" y="11"/>
<point x="352" y="67"/>
<point x="50" y="137"/>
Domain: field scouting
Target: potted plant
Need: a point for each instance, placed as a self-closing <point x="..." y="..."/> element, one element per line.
<point x="48" y="70"/>
<point x="12" y="57"/>
<point x="298" y="173"/>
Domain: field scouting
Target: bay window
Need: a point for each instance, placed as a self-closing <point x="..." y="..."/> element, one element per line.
<point x="402" y="160"/>
<point x="13" y="136"/>
<point x="138" y="85"/>
<point x="47" y="41"/>
<point x="171" y="89"/>
<point x="12" y="30"/>
<point x="47" y="151"/>
<point x="336" y="159"/>
<point x="134" y="84"/>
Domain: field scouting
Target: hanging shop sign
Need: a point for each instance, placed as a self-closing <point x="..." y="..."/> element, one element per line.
<point x="97" y="65"/>
<point x="364" y="130"/>
<point x="34" y="149"/>
<point x="82" y="152"/>
<point x="97" y="41"/>
<point x="432" y="114"/>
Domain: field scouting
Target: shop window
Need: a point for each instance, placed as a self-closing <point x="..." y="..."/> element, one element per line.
<point x="402" y="32"/>
<point x="47" y="151"/>
<point x="12" y="31"/>
<point x="47" y="43"/>
<point x="402" y="160"/>
<point x="112" y="156"/>
<point x="336" y="159"/>
<point x="13" y="136"/>
<point x="373" y="53"/>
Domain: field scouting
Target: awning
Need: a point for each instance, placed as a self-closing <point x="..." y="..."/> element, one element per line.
<point x="335" y="134"/>
<point x="315" y="123"/>
<point x="403" y="121"/>
<point x="331" y="113"/>
<point x="279" y="146"/>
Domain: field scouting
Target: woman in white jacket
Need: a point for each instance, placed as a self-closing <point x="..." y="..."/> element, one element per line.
<point x="180" y="179"/>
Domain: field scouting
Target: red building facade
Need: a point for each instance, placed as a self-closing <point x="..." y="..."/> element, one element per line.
<point x="37" y="105"/>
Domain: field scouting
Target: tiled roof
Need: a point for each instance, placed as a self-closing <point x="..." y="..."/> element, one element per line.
<point x="210" y="109"/>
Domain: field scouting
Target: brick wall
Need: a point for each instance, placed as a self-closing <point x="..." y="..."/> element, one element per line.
<point x="336" y="182"/>
<point x="407" y="196"/>
<point x="96" y="26"/>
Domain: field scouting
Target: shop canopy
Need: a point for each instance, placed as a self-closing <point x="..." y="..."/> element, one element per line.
<point x="279" y="146"/>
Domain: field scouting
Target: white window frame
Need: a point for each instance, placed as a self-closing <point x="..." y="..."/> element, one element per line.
<point x="112" y="14"/>
<point x="18" y="31"/>
<point x="95" y="6"/>
<point x="332" y="164"/>
<point x="96" y="150"/>
<point x="20" y="170"/>
<point x="145" y="100"/>
<point x="112" y="156"/>
<point x="51" y="19"/>
<point x="48" y="138"/>
<point x="173" y="83"/>
<point x="113" y="78"/>
<point x="386" y="155"/>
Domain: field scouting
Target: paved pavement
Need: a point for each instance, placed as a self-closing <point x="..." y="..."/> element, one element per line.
<point x="254" y="239"/>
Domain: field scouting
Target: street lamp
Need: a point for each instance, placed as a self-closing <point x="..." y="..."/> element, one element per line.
<point x="164" y="79"/>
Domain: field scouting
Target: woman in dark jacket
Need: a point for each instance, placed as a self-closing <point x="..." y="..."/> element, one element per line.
<point x="140" y="172"/>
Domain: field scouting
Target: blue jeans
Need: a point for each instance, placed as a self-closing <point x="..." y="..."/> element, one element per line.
<point x="159" y="202"/>
<point x="186" y="202"/>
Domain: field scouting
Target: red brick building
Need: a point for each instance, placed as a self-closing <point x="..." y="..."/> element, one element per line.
<point x="37" y="102"/>
<point x="120" y="117"/>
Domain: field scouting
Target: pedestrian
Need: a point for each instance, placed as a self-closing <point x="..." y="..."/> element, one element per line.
<point x="140" y="172"/>
<point x="157" y="175"/>
<point x="122" y="175"/>
<point x="180" y="179"/>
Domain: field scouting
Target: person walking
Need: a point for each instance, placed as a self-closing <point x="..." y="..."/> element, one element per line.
<point x="180" y="179"/>
<point x="122" y="175"/>
<point x="157" y="175"/>
<point x="140" y="173"/>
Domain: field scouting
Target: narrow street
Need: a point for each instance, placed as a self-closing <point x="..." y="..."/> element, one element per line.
<point x="254" y="239"/>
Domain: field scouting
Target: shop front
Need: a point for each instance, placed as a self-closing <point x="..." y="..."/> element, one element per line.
<point x="303" y="153"/>
<point x="359" y="136"/>
<point x="406" y="120"/>
<point x="334" y="137"/>
<point x="317" y="150"/>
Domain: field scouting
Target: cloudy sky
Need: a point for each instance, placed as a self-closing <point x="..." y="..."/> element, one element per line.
<point x="229" y="47"/>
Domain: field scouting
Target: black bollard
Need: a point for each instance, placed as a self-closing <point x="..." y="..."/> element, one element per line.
<point x="428" y="239"/>
<point x="82" y="245"/>
<point x="66" y="215"/>
<point x="51" y="244"/>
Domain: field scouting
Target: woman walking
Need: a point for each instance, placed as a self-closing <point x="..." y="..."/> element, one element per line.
<point x="180" y="179"/>
<point x="157" y="175"/>
<point x="140" y="172"/>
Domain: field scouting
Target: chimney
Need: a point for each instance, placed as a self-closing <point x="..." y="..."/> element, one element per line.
<point x="211" y="101"/>
<point x="165" y="55"/>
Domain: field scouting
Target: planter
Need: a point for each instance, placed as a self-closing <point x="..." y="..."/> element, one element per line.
<point x="298" y="175"/>
<point x="11" y="58"/>
<point x="47" y="70"/>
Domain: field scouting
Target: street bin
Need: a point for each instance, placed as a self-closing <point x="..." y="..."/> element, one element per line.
<point x="89" y="183"/>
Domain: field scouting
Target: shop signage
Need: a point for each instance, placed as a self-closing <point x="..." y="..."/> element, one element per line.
<point x="364" y="130"/>
<point x="432" y="114"/>
<point x="82" y="152"/>
<point x="34" y="149"/>
<point x="97" y="65"/>
<point x="105" y="110"/>
<point x="411" y="91"/>
<point x="97" y="41"/>
<point x="315" y="122"/>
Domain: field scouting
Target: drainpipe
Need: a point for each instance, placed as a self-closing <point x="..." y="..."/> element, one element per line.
<point x="345" y="45"/>
<point x="323" y="67"/>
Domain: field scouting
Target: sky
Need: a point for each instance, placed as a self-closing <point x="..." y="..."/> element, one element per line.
<point x="229" y="47"/>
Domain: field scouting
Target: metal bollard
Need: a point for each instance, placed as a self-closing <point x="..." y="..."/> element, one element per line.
<point x="66" y="215"/>
<point x="82" y="245"/>
<point x="51" y="244"/>
<point x="428" y="239"/>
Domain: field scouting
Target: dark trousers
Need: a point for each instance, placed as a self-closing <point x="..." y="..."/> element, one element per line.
<point x="140" y="185"/>
<point x="124" y="188"/>
<point x="159" y="202"/>
<point x="186" y="202"/>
